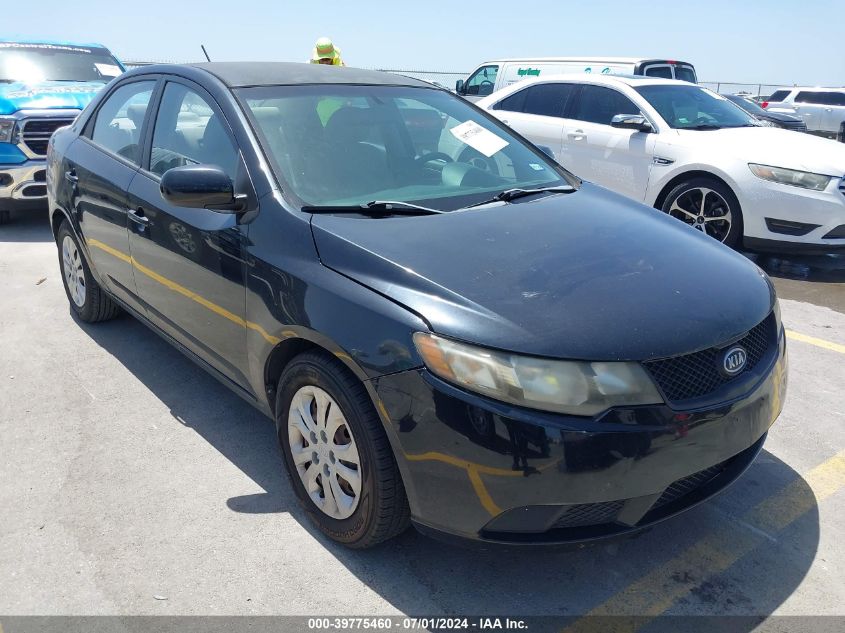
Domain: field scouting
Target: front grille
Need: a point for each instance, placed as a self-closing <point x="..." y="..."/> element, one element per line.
<point x="686" y="485"/>
<point x="589" y="514"/>
<point x="798" y="126"/>
<point x="37" y="132"/>
<point x="699" y="374"/>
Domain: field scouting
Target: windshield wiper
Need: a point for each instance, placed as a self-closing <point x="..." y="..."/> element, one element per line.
<point x="703" y="126"/>
<point x="374" y="208"/>
<point x="512" y="194"/>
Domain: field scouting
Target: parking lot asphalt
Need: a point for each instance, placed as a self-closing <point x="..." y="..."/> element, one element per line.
<point x="132" y="483"/>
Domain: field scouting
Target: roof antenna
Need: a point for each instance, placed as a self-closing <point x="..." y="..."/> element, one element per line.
<point x="205" y="52"/>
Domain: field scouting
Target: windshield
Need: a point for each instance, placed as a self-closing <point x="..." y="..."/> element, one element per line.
<point x="746" y="104"/>
<point x="347" y="145"/>
<point x="694" y="107"/>
<point x="43" y="62"/>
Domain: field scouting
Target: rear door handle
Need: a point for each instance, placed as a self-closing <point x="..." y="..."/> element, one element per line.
<point x="70" y="176"/>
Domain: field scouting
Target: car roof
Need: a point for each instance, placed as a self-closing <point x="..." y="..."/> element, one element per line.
<point x="243" y="74"/>
<point x="813" y="88"/>
<point x="610" y="80"/>
<point x="610" y="60"/>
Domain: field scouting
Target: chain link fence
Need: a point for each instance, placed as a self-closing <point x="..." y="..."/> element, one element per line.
<point x="447" y="79"/>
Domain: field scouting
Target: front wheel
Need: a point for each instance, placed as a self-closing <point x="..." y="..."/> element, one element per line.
<point x="708" y="206"/>
<point x="337" y="454"/>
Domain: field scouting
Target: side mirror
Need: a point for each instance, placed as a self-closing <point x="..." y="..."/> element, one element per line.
<point x="631" y="122"/>
<point x="459" y="86"/>
<point x="201" y="187"/>
<point x="548" y="151"/>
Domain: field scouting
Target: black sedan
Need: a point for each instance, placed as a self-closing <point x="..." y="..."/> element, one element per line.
<point x="776" y="119"/>
<point x="447" y="327"/>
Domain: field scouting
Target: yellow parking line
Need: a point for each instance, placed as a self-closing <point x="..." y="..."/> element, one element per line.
<point x="818" y="342"/>
<point x="658" y="590"/>
<point x="182" y="290"/>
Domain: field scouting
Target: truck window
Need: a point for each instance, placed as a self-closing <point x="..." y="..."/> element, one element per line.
<point x="482" y="81"/>
<point x="685" y="73"/>
<point x="663" y="71"/>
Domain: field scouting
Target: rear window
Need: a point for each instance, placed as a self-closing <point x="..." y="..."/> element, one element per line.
<point x="779" y="95"/>
<point x="685" y="73"/>
<point x="659" y="71"/>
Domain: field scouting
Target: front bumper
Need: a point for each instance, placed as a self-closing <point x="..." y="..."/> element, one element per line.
<point x="787" y="219"/>
<point x="484" y="471"/>
<point x="24" y="185"/>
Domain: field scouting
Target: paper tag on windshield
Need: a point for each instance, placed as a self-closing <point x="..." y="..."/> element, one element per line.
<point x="478" y="138"/>
<point x="108" y="70"/>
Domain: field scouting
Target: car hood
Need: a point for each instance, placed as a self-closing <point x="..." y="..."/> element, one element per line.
<point x="47" y="95"/>
<point x="771" y="146"/>
<point x="587" y="275"/>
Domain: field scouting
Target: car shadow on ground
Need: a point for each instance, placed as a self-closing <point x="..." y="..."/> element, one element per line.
<point x="417" y="575"/>
<point x="27" y="227"/>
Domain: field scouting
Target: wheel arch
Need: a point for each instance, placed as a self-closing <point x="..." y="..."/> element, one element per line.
<point x="689" y="175"/>
<point x="298" y="341"/>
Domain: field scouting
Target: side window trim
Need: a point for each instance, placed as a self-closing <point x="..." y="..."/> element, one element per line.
<point x="202" y="92"/>
<point x="87" y="133"/>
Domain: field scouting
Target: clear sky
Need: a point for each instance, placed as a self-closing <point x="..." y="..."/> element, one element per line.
<point x="775" y="42"/>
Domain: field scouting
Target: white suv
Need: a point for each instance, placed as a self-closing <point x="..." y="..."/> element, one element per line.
<point x="823" y="109"/>
<point x="689" y="152"/>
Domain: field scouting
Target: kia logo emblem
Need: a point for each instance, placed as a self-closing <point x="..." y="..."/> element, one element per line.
<point x="734" y="360"/>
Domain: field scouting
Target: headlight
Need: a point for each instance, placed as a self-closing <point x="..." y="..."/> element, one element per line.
<point x="575" y="387"/>
<point x="805" y="179"/>
<point x="7" y="130"/>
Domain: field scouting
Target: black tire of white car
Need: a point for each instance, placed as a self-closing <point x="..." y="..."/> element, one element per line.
<point x="382" y="509"/>
<point x="685" y="194"/>
<point x="97" y="305"/>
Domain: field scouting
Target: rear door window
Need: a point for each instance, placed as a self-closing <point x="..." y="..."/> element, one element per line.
<point x="807" y="96"/>
<point x="119" y="121"/>
<point x="547" y="99"/>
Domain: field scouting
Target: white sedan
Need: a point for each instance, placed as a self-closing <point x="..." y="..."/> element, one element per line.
<point x="690" y="152"/>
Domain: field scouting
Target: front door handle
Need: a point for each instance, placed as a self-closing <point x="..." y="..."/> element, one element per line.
<point x="71" y="177"/>
<point x="139" y="217"/>
<point x="578" y="135"/>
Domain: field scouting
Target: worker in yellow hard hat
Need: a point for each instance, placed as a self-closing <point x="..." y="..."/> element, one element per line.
<point x="325" y="52"/>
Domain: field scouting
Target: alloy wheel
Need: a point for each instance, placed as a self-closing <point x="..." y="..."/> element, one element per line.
<point x="324" y="452"/>
<point x="705" y="210"/>
<point x="73" y="271"/>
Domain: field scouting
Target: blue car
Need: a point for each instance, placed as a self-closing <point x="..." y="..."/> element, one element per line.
<point x="43" y="86"/>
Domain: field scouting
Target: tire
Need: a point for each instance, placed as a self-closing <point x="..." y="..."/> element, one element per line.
<point x="379" y="509"/>
<point x="684" y="203"/>
<point x="5" y="216"/>
<point x="90" y="303"/>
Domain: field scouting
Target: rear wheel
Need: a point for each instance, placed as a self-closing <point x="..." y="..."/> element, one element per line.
<point x="337" y="455"/>
<point x="86" y="298"/>
<point x="708" y="206"/>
